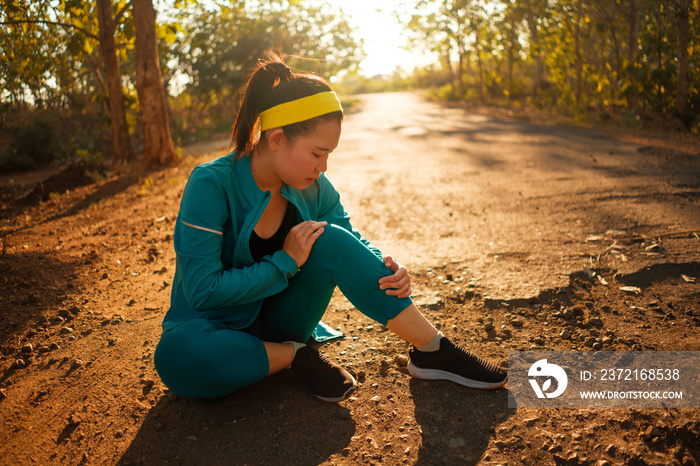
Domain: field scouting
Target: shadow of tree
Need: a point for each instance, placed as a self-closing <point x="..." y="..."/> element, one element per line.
<point x="457" y="423"/>
<point x="31" y="283"/>
<point x="259" y="425"/>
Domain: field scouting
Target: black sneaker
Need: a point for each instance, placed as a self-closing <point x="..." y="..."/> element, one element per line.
<point x="325" y="379"/>
<point x="453" y="363"/>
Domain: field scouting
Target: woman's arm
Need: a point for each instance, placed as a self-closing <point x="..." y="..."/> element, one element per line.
<point x="199" y="244"/>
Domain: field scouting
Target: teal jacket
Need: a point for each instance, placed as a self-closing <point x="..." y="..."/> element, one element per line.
<point x="216" y="277"/>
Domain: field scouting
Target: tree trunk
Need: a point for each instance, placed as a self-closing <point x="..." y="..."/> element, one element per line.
<point x="632" y="49"/>
<point x="448" y="64"/>
<point x="578" y="57"/>
<point x="534" y="47"/>
<point x="158" y="148"/>
<point x="460" y="72"/>
<point x="512" y="38"/>
<point x="682" y="26"/>
<point x="123" y="152"/>
<point x="480" y="68"/>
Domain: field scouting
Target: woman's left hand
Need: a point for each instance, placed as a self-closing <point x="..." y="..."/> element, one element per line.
<point x="398" y="284"/>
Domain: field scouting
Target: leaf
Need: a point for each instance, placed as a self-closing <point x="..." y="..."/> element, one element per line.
<point x="631" y="289"/>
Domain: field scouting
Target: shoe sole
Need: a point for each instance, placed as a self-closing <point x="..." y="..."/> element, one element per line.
<point x="436" y="374"/>
<point x="339" y="398"/>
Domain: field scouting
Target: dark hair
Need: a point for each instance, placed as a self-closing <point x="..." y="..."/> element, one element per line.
<point x="269" y="84"/>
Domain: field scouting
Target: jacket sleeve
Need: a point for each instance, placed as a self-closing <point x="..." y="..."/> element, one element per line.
<point x="199" y="238"/>
<point x="332" y="211"/>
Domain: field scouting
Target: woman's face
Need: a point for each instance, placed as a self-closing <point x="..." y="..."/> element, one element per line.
<point x="301" y="161"/>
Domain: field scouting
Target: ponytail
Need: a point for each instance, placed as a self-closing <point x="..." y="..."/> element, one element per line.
<point x="272" y="83"/>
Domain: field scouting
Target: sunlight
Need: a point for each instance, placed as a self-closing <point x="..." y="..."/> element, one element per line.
<point x="384" y="38"/>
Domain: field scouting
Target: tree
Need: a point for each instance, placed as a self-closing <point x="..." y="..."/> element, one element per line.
<point x="123" y="152"/>
<point x="682" y="27"/>
<point x="68" y="29"/>
<point x="158" y="148"/>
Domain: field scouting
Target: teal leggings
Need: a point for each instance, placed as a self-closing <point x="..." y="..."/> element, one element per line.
<point x="203" y="359"/>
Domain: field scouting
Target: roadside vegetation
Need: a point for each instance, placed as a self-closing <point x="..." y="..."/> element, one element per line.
<point x="74" y="84"/>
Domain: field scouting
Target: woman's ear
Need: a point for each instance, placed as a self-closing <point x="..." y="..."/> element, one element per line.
<point x="276" y="138"/>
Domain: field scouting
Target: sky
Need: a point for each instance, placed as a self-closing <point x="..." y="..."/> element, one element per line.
<point x="383" y="36"/>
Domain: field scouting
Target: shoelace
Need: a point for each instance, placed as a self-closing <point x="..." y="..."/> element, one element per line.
<point x="488" y="365"/>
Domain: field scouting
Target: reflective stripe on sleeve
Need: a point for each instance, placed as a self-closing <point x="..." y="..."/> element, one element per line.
<point x="202" y="228"/>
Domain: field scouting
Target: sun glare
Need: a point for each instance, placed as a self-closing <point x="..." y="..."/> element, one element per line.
<point x="383" y="36"/>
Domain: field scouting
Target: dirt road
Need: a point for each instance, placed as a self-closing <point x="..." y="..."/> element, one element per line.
<point x="502" y="221"/>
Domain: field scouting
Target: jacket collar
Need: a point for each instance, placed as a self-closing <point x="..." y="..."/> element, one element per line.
<point x="253" y="193"/>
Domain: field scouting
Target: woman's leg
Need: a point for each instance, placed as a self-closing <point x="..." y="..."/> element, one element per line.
<point x="197" y="359"/>
<point x="337" y="258"/>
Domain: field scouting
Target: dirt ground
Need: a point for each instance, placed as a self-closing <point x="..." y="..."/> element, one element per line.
<point x="501" y="219"/>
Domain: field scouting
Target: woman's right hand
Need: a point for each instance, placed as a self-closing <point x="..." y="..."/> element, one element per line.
<point x="300" y="239"/>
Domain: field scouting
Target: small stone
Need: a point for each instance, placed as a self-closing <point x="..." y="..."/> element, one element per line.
<point x="589" y="341"/>
<point x="19" y="364"/>
<point x="105" y="276"/>
<point x="401" y="360"/>
<point x="539" y="341"/>
<point x="529" y="422"/>
<point x="603" y="463"/>
<point x="610" y="450"/>
<point x="597" y="346"/>
<point x="651" y="433"/>
<point x="66" y="330"/>
<point x="28" y="348"/>
<point x="565" y="334"/>
<point x="54" y="346"/>
<point x="596" y="321"/>
<point x="489" y="326"/>
<point x="594" y="333"/>
<point x="74" y="420"/>
<point x="516" y="322"/>
<point x="77" y="363"/>
<point x="3" y="395"/>
<point x="606" y="341"/>
<point x="75" y="310"/>
<point x="457" y="442"/>
<point x="567" y="314"/>
<point x="64" y="313"/>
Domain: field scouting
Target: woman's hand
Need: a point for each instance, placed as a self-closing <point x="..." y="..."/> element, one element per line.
<point x="398" y="284"/>
<point x="300" y="239"/>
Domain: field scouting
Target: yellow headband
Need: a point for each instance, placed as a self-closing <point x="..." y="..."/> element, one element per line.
<point x="298" y="110"/>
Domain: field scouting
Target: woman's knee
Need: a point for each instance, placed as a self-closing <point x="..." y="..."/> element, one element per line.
<point x="337" y="242"/>
<point x="194" y="360"/>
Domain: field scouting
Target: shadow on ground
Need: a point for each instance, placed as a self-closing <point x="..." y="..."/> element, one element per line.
<point x="457" y="423"/>
<point x="299" y="429"/>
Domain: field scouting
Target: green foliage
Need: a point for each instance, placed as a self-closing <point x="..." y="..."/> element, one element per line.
<point x="226" y="40"/>
<point x="53" y="93"/>
<point x="574" y="56"/>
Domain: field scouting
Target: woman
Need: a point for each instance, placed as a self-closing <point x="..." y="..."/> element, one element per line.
<point x="262" y="241"/>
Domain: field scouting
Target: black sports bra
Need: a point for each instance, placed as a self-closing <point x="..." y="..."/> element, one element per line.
<point x="261" y="247"/>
